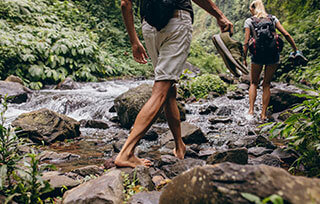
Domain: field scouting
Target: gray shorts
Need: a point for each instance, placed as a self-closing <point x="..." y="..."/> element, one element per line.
<point x="169" y="47"/>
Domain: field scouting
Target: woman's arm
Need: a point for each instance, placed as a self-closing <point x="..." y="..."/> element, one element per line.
<point x="246" y="44"/>
<point x="287" y="36"/>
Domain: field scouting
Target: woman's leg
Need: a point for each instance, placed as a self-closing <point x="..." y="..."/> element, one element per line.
<point x="254" y="82"/>
<point x="268" y="74"/>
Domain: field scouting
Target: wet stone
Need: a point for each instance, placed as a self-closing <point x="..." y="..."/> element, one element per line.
<point x="205" y="110"/>
<point x="143" y="175"/>
<point x="181" y="166"/>
<point x="267" y="159"/>
<point x="224" y="111"/>
<point x="54" y="157"/>
<point x="220" y="119"/>
<point x="88" y="170"/>
<point x="145" y="198"/>
<point x="259" y="151"/>
<point x="239" y="156"/>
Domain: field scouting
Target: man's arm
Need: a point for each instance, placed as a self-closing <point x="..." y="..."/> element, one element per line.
<point x="138" y="51"/>
<point x="211" y="8"/>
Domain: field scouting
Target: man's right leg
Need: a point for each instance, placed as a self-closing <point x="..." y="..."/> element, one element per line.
<point x="173" y="117"/>
<point x="144" y="120"/>
<point x="254" y="81"/>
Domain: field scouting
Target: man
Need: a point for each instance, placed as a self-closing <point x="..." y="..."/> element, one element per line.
<point x="168" y="49"/>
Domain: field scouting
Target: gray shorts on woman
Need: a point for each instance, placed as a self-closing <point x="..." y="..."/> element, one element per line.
<point x="169" y="47"/>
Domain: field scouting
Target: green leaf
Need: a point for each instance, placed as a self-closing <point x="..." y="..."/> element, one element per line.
<point x="251" y="197"/>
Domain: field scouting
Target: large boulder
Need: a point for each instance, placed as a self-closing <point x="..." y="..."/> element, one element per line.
<point x="16" y="92"/>
<point x="128" y="105"/>
<point x="282" y="97"/>
<point x="223" y="183"/>
<point x="190" y="134"/>
<point x="107" y="188"/>
<point x="47" y="126"/>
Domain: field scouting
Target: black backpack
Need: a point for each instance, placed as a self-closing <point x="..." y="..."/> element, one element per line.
<point x="158" y="12"/>
<point x="264" y="37"/>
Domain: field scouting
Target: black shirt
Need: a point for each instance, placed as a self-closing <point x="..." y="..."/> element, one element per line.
<point x="180" y="5"/>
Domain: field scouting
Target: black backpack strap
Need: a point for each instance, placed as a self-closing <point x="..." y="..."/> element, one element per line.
<point x="253" y="24"/>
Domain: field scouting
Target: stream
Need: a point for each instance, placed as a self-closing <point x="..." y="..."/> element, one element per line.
<point x="94" y="100"/>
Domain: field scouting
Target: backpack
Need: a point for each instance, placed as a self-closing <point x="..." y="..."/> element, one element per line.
<point x="264" y="37"/>
<point x="158" y="12"/>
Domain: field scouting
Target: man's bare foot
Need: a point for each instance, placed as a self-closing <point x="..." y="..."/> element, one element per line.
<point x="132" y="161"/>
<point x="179" y="153"/>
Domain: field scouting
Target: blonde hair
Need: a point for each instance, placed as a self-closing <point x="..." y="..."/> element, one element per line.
<point x="258" y="9"/>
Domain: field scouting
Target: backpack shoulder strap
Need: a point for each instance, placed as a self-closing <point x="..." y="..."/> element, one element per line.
<point x="253" y="24"/>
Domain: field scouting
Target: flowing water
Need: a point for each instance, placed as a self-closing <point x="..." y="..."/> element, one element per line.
<point x="93" y="101"/>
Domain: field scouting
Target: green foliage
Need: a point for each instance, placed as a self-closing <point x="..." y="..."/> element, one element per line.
<point x="20" y="175"/>
<point x="131" y="187"/>
<point x="43" y="42"/>
<point x="201" y="86"/>
<point x="275" y="199"/>
<point x="302" y="132"/>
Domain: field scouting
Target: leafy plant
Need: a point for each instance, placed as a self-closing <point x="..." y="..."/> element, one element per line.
<point x="20" y="175"/>
<point x="131" y="187"/>
<point x="275" y="199"/>
<point x="302" y="133"/>
<point x="202" y="85"/>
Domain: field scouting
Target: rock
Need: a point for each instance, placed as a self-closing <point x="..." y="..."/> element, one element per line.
<point x="145" y="198"/>
<point x="88" y="170"/>
<point x="236" y="95"/>
<point x="267" y="159"/>
<point x="112" y="109"/>
<point x="193" y="70"/>
<point x="259" y="151"/>
<point x="207" y="110"/>
<point x="54" y="157"/>
<point x="67" y="84"/>
<point x="181" y="166"/>
<point x="15" y="92"/>
<point x="109" y="163"/>
<point x="143" y="175"/>
<point x="46" y="125"/>
<point x="286" y="156"/>
<point x="224" y="111"/>
<point x="252" y="141"/>
<point x="245" y="79"/>
<point x="128" y="105"/>
<point x="223" y="184"/>
<point x="99" y="124"/>
<point x="238" y="156"/>
<point x="205" y="153"/>
<point x="118" y="145"/>
<point x="227" y="78"/>
<point x="282" y="98"/>
<point x="220" y="119"/>
<point x="243" y="86"/>
<point x="151" y="135"/>
<point x="15" y="79"/>
<point x="58" y="181"/>
<point x="107" y="188"/>
<point x="190" y="134"/>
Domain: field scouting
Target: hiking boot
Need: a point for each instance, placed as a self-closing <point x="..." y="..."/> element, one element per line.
<point x="231" y="52"/>
<point x="299" y="59"/>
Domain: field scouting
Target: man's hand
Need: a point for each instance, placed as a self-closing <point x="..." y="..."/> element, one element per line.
<point x="139" y="53"/>
<point x="225" y="25"/>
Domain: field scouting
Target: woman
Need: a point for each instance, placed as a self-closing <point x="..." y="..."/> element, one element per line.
<point x="268" y="59"/>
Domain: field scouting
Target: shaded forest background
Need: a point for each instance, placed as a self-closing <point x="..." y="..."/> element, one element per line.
<point x="45" y="41"/>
